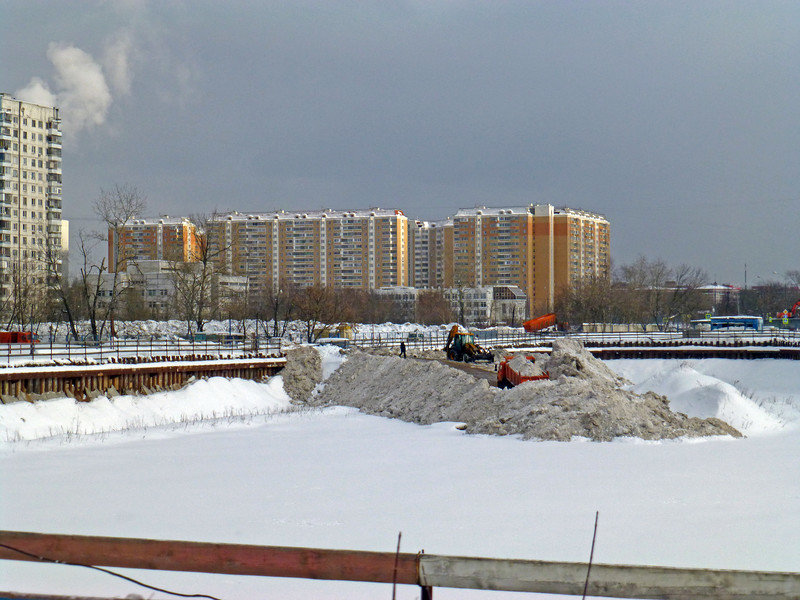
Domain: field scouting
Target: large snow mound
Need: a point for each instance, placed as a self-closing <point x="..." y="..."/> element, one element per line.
<point x="583" y="398"/>
<point x="206" y="399"/>
<point x="713" y="388"/>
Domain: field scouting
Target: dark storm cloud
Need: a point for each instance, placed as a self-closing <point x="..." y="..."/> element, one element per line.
<point x="680" y="122"/>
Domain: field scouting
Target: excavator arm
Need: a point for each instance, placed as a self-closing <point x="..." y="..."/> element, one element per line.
<point x="795" y="309"/>
<point x="450" y="337"/>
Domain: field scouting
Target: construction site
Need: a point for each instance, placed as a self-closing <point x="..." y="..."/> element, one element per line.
<point x="471" y="446"/>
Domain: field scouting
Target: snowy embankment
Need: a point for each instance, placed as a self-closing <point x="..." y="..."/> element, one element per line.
<point x="203" y="401"/>
<point x="754" y="396"/>
<point x="214" y="402"/>
<point x="337" y="478"/>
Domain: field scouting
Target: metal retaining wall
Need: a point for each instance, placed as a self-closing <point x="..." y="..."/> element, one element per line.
<point x="32" y="383"/>
<point x="687" y="352"/>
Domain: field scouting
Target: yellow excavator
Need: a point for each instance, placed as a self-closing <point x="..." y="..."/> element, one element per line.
<point x="461" y="346"/>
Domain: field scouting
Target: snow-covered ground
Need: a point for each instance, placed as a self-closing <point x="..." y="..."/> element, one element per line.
<point x="336" y="478"/>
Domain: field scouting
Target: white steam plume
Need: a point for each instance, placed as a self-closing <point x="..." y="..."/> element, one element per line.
<point x="83" y="93"/>
<point x="38" y="92"/>
<point x="81" y="88"/>
<point x="116" y="63"/>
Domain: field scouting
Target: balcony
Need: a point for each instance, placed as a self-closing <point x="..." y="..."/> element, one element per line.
<point x="54" y="215"/>
<point x="5" y="159"/>
<point x="54" y="190"/>
<point x="54" y="141"/>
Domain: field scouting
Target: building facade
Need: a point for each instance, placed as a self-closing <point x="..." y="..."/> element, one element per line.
<point x="535" y="250"/>
<point x="365" y="249"/>
<point x="166" y="238"/>
<point x="33" y="235"/>
<point x="539" y="249"/>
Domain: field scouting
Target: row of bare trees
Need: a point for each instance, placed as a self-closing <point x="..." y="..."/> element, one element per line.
<point x="643" y="292"/>
<point x="318" y="305"/>
<point x="653" y="292"/>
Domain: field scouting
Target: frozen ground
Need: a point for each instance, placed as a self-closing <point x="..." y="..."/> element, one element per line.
<point x="336" y="478"/>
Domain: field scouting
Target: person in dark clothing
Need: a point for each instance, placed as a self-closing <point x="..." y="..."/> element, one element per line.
<point x="402" y="349"/>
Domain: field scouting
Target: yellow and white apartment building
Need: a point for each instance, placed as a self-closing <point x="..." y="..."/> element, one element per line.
<point x="166" y="238"/>
<point x="540" y="249"/>
<point x="365" y="249"/>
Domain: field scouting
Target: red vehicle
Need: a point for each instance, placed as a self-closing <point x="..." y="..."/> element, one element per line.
<point x="18" y="337"/>
<point x="514" y="370"/>
<point x="543" y="322"/>
<point x="792" y="312"/>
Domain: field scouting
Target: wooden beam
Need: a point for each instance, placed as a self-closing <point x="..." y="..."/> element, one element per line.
<point x="427" y="570"/>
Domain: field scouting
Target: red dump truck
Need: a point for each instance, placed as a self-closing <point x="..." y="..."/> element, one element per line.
<point x="514" y="370"/>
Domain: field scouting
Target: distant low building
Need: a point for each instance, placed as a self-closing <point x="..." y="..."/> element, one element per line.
<point x="721" y="296"/>
<point x="149" y="286"/>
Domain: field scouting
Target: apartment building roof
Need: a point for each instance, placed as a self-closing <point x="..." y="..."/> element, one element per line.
<point x="524" y="210"/>
<point x="493" y="211"/>
<point x="564" y="210"/>
<point x="310" y="214"/>
<point x="162" y="220"/>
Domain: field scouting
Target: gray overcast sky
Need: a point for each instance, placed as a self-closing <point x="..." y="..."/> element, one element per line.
<point x="678" y="121"/>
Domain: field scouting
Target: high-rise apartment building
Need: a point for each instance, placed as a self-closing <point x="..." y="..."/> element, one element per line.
<point x="539" y="249"/>
<point x="32" y="232"/>
<point x="165" y="238"/>
<point x="364" y="249"/>
<point x="430" y="246"/>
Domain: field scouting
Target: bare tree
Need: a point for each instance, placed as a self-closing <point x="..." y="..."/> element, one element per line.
<point x="592" y="299"/>
<point x="115" y="208"/>
<point x="194" y="279"/>
<point x="657" y="293"/>
<point x="433" y="308"/>
<point x="91" y="279"/>
<point x="29" y="289"/>
<point x="275" y="306"/>
<point x="63" y="291"/>
<point x="315" y="305"/>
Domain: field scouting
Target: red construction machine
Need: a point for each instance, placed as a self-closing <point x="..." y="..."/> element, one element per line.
<point x="514" y="370"/>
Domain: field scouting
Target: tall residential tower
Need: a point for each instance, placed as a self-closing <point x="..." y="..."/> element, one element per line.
<point x="32" y="232"/>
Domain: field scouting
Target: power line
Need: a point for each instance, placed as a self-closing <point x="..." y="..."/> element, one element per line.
<point x="107" y="571"/>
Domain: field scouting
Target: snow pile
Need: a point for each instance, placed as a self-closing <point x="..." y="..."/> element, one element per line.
<point x="570" y="359"/>
<point x="331" y="358"/>
<point x="214" y="398"/>
<point x="707" y="395"/>
<point x="589" y="404"/>
<point x="303" y="371"/>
